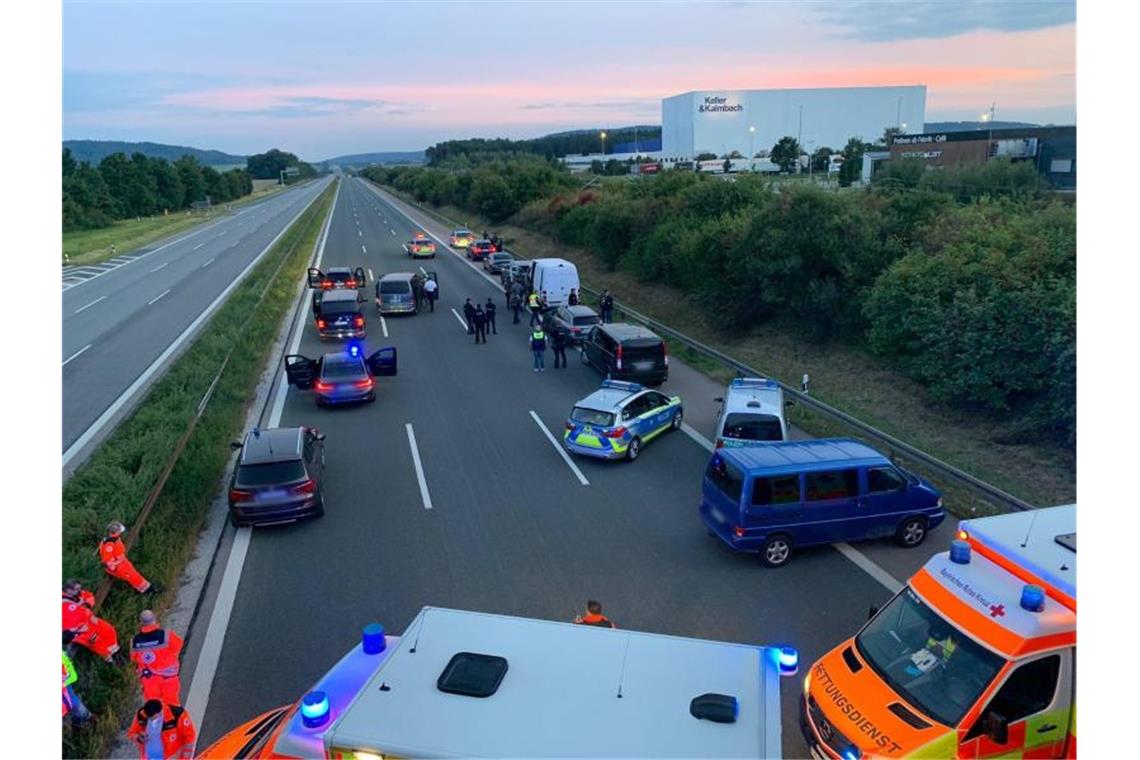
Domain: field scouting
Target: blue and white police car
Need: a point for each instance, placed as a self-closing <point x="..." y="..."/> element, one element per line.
<point x="619" y="418"/>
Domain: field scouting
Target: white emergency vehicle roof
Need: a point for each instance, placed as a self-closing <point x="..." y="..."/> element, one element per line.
<point x="1030" y="540"/>
<point x="569" y="690"/>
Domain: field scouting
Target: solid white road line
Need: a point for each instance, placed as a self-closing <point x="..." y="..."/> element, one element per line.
<point x="77" y="353"/>
<point x="161" y="266"/>
<point x="156" y="298"/>
<point x="197" y="246"/>
<point x="419" y="466"/>
<point x="560" y="449"/>
<point x="208" y="263"/>
<point x="158" y="363"/>
<point x="384" y="326"/>
<point x="462" y="321"/>
<point x="88" y="306"/>
<point x="203" y="679"/>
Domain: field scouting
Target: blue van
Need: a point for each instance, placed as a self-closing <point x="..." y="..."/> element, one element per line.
<point x="770" y="499"/>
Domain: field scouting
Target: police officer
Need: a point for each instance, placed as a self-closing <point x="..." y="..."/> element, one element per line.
<point x="533" y="304"/>
<point x="418" y="289"/>
<point x="430" y="289"/>
<point x="516" y="303"/>
<point x="469" y="315"/>
<point x="572" y="299"/>
<point x="538" y="348"/>
<point x="490" y="310"/>
<point x="113" y="555"/>
<point x="594" y="616"/>
<point x="558" y="343"/>
<point x="606" y="302"/>
<point x="155" y="652"/>
<point x="479" y="320"/>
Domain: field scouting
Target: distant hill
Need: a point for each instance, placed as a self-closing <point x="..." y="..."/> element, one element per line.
<point x="647" y="128"/>
<point x="366" y="159"/>
<point x="971" y="126"/>
<point x="94" y="151"/>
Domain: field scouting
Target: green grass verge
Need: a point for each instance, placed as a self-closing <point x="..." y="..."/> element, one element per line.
<point x="114" y="482"/>
<point x="846" y="377"/>
<point x="86" y="247"/>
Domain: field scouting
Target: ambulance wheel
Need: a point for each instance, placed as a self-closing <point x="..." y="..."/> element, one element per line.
<point x="776" y="551"/>
<point x="634" y="449"/>
<point x="677" y="420"/>
<point x="911" y="532"/>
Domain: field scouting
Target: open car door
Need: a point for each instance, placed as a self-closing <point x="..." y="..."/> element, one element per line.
<point x="301" y="371"/>
<point x="316" y="277"/>
<point x="361" y="279"/>
<point x="383" y="362"/>
<point x="317" y="303"/>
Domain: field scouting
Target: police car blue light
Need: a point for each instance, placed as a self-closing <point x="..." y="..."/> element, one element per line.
<point x="1033" y="598"/>
<point x="618" y="419"/>
<point x="354" y="349"/>
<point x="789" y="661"/>
<point x="315" y="709"/>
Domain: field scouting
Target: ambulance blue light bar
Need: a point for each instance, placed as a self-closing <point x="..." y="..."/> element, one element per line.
<point x="621" y="385"/>
<point x="959" y="552"/>
<point x="1033" y="598"/>
<point x="789" y="661"/>
<point x="315" y="709"/>
<point x="372" y="639"/>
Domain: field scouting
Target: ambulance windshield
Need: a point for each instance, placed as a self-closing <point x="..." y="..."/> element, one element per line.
<point x="927" y="660"/>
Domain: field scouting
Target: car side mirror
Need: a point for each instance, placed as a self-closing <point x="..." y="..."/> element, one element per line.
<point x="996" y="727"/>
<point x="872" y="611"/>
<point x="235" y="445"/>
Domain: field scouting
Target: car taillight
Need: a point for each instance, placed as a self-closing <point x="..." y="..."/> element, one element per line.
<point x="350" y="284"/>
<point x="237" y="495"/>
<point x="617" y="432"/>
<point x="358" y="321"/>
<point x="307" y="488"/>
<point x="326" y="284"/>
<point x="738" y="531"/>
<point x="619" y="352"/>
<point x="720" y="443"/>
<point x="365" y="383"/>
<point x="321" y="385"/>
<point x="321" y="324"/>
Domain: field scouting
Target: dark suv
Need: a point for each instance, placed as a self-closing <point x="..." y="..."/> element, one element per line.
<point x="279" y="477"/>
<point x="622" y="351"/>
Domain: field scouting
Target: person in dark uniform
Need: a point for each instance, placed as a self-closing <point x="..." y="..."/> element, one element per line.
<point x="558" y="343"/>
<point x="479" y="320"/>
<point x="418" y="290"/>
<point x="469" y="315"/>
<point x="606" y="302"/>
<point x="490" y="310"/>
<point x="516" y="304"/>
<point x="572" y="299"/>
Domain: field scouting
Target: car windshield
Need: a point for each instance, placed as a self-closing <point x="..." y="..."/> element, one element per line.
<point x="339" y="276"/>
<point x="753" y="427"/>
<point x="462" y="233"/>
<point x="927" y="660"/>
<point x="336" y="370"/>
<point x="592" y="416"/>
<point x="270" y="473"/>
<point x="336" y="308"/>
<point x="395" y="286"/>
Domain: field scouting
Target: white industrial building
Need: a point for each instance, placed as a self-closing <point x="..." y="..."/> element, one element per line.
<point x="751" y="121"/>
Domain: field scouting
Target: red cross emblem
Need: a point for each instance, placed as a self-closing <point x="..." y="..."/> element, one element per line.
<point x="997" y="610"/>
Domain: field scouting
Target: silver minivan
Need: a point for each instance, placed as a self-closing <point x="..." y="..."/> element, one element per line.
<point x="751" y="412"/>
<point x="395" y="294"/>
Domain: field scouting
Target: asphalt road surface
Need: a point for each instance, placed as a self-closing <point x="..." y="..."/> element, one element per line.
<point x="120" y="317"/>
<point x="510" y="529"/>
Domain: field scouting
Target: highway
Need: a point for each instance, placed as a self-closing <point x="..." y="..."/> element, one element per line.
<point x="124" y="320"/>
<point x="497" y="521"/>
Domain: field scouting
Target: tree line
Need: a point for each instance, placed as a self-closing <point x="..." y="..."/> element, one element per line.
<point x="270" y="164"/>
<point x="963" y="278"/>
<point x="548" y="146"/>
<point x="126" y="188"/>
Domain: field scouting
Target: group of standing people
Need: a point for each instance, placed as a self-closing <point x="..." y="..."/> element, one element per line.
<point x="479" y="318"/>
<point x="161" y="727"/>
<point x="425" y="290"/>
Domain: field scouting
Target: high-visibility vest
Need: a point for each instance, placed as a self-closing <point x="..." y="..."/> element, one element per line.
<point x="532" y="300"/>
<point x="69" y="674"/>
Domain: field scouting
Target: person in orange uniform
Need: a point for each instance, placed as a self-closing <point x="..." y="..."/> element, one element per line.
<point x="155" y="652"/>
<point x="113" y="555"/>
<point x="163" y="731"/>
<point x="90" y="631"/>
<point x="594" y="616"/>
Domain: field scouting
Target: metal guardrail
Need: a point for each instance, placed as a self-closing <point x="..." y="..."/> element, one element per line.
<point x="896" y="447"/>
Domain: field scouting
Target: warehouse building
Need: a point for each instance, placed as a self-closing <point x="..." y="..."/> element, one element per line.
<point x="752" y="121"/>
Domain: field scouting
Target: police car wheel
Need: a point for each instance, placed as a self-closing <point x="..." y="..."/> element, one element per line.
<point x="677" y="420"/>
<point x="911" y="532"/>
<point x="634" y="449"/>
<point x="776" y="551"/>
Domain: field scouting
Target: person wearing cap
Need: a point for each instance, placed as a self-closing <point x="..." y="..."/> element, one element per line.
<point x="155" y="652"/>
<point x="163" y="732"/>
<point x="113" y="555"/>
<point x="79" y="619"/>
<point x="594" y="616"/>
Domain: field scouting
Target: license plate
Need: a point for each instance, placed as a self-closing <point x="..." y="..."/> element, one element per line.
<point x="341" y="322"/>
<point x="269" y="494"/>
<point x="643" y="365"/>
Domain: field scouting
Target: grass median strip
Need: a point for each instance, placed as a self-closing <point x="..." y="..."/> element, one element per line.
<point x="115" y="481"/>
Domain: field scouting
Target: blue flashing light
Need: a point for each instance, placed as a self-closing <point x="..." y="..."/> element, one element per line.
<point x="1032" y="598"/>
<point x="852" y="753"/>
<point x="789" y="661"/>
<point x="354" y="349"/>
<point x="372" y="639"/>
<point x="621" y="385"/>
<point x="959" y="552"/>
<point x="753" y="382"/>
<point x="315" y="709"/>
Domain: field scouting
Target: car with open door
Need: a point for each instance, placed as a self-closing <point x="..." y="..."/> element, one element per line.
<point x="279" y="476"/>
<point x="343" y="377"/>
<point x="337" y="278"/>
<point x="339" y="314"/>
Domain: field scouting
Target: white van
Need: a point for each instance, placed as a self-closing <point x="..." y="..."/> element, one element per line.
<point x="557" y="277"/>
<point x="751" y="412"/>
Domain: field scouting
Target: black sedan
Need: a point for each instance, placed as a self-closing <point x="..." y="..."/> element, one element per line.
<point x="341" y="377"/>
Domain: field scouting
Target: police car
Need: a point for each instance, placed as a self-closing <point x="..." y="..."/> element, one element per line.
<point x="420" y="247"/>
<point x="339" y="378"/>
<point x="618" y="419"/>
<point x="752" y="412"/>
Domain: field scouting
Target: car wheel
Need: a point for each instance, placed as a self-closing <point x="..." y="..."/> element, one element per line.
<point x="634" y="449"/>
<point x="677" y="420"/>
<point x="320" y="510"/>
<point x="234" y="521"/>
<point x="776" y="551"/>
<point x="371" y="397"/>
<point x="911" y="532"/>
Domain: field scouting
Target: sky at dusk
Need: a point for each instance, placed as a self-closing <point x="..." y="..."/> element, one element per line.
<point x="326" y="79"/>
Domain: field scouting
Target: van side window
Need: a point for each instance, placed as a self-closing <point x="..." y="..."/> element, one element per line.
<point x="727" y="479"/>
<point x="781" y="489"/>
<point x="831" y="484"/>
<point x="884" y="480"/>
<point x="1028" y="690"/>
